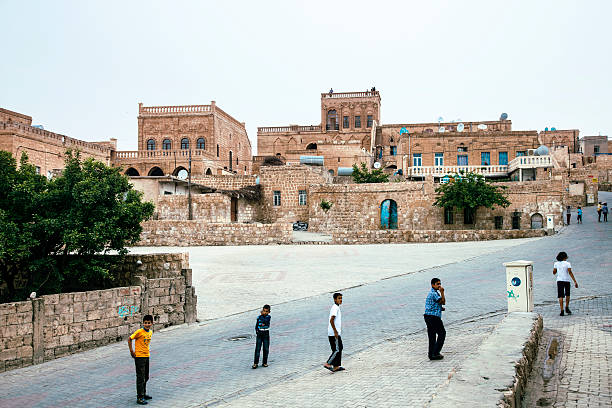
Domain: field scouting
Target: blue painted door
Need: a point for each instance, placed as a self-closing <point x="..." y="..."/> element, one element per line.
<point x="388" y="214"/>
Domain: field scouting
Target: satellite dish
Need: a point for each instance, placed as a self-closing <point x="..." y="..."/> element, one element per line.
<point x="377" y="165"/>
<point x="482" y="126"/>
<point x="503" y="116"/>
<point x="403" y="130"/>
<point x="553" y="129"/>
<point x="460" y="127"/>
<point x="441" y="129"/>
<point x="546" y="129"/>
<point x="182" y="175"/>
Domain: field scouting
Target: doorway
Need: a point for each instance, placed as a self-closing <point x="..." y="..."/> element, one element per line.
<point x="388" y="214"/>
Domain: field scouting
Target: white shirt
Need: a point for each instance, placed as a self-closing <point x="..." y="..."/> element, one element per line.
<point x="562" y="271"/>
<point x="335" y="311"/>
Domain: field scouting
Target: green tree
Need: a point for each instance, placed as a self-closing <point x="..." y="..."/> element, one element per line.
<point x="363" y="175"/>
<point x="470" y="191"/>
<point x="89" y="209"/>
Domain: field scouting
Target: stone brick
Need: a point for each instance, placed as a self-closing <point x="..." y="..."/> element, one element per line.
<point x="51" y="299"/>
<point x="79" y="317"/>
<point x="85" y="336"/>
<point x="94" y="315"/>
<point x="66" y="298"/>
<point x="23" y="307"/>
<point x="24" y="352"/>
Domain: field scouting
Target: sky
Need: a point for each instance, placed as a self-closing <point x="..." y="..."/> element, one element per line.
<point x="80" y="68"/>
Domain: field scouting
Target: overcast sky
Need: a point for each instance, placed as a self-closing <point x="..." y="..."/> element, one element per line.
<point x="80" y="67"/>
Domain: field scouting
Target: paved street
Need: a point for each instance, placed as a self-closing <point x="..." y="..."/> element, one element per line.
<point x="382" y="326"/>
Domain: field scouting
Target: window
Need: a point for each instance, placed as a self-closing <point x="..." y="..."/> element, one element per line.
<point x="217" y="150"/>
<point x="369" y="123"/>
<point x="332" y="123"/>
<point x="596" y="149"/>
<point x="357" y="121"/>
<point x="485" y="158"/>
<point x="503" y="158"/>
<point x="150" y="144"/>
<point x="167" y="144"/>
<point x="521" y="153"/>
<point x="417" y="161"/>
<point x="201" y="144"/>
<point x="393" y="150"/>
<point x="302" y="197"/>
<point x="345" y="122"/>
<point x="449" y="215"/>
<point x="468" y="215"/>
<point x="277" y="198"/>
<point x="439" y="159"/>
<point x="499" y="222"/>
<point x="37" y="170"/>
<point x="184" y="143"/>
<point x="462" y="149"/>
<point x="462" y="160"/>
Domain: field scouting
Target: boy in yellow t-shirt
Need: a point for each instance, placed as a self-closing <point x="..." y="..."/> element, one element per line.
<point x="142" y="339"/>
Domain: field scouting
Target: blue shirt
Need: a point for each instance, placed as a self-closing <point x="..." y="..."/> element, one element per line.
<point x="432" y="303"/>
<point x="263" y="323"/>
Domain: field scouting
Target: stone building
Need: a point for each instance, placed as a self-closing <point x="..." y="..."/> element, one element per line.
<point x="594" y="145"/>
<point x="167" y="135"/>
<point x="344" y="136"/>
<point x="46" y="150"/>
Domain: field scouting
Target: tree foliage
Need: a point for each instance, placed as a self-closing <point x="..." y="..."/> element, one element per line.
<point x="361" y="174"/>
<point x="89" y="209"/>
<point x="470" y="191"/>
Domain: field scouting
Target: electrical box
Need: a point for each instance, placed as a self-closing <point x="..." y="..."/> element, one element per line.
<point x="550" y="222"/>
<point x="519" y="286"/>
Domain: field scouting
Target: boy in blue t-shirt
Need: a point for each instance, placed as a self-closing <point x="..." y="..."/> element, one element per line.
<point x="579" y="219"/>
<point x="262" y="330"/>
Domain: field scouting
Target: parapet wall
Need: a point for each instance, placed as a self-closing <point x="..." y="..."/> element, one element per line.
<point x="53" y="326"/>
<point x="404" y="236"/>
<point x="198" y="232"/>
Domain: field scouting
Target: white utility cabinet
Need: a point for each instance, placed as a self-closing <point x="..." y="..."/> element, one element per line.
<point x="519" y="286"/>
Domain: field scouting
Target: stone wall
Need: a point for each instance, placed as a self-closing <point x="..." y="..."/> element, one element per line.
<point x="213" y="207"/>
<point x="225" y="182"/>
<point x="198" y="232"/>
<point x="356" y="207"/>
<point x="53" y="326"/>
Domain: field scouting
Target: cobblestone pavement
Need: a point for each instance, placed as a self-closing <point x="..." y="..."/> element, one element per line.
<point x="197" y="365"/>
<point x="581" y="373"/>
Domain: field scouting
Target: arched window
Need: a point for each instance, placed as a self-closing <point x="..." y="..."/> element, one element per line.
<point x="184" y="143"/>
<point x="311" y="146"/>
<point x="208" y="172"/>
<point x="150" y="144"/>
<point x="201" y="144"/>
<point x="388" y="214"/>
<point x="156" y="171"/>
<point x="332" y="120"/>
<point x="167" y="144"/>
<point x="132" y="172"/>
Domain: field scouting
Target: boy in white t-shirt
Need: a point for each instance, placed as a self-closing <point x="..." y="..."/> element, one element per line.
<point x="334" y="329"/>
<point x="563" y="270"/>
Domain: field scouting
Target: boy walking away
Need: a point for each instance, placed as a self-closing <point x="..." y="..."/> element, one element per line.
<point x="579" y="215"/>
<point x="599" y="211"/>
<point x="262" y="330"/>
<point x="604" y="210"/>
<point x="563" y="270"/>
<point x="433" y="319"/>
<point x="568" y="214"/>
<point x="142" y="339"/>
<point x="334" y="329"/>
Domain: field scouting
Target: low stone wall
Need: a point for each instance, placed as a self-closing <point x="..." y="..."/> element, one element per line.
<point x="496" y="374"/>
<point x="53" y="326"/>
<point x="402" y="236"/>
<point x="197" y="232"/>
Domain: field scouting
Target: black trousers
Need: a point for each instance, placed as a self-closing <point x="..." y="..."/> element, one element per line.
<point x="142" y="375"/>
<point x="435" y="327"/>
<point x="335" y="358"/>
<point x="263" y="339"/>
<point x="605" y="217"/>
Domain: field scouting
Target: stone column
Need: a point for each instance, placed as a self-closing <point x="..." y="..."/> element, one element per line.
<point x="38" y="336"/>
<point x="191" y="300"/>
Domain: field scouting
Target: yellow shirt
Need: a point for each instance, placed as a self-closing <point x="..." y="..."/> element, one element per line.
<point x="142" y="339"/>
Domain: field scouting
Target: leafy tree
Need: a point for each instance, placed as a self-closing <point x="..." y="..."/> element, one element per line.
<point x="89" y="209"/>
<point x="470" y="191"/>
<point x="363" y="175"/>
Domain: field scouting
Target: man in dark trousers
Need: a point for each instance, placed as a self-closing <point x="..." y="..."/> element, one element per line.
<point x="433" y="319"/>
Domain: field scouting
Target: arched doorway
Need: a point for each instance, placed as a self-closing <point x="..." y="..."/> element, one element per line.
<point x="208" y="172"/>
<point x="311" y="146"/>
<point x="156" y="171"/>
<point x="176" y="171"/>
<point x="388" y="214"/>
<point x="537" y="221"/>
<point x="132" y="172"/>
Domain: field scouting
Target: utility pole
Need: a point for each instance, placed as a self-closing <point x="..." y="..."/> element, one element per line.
<point x="190" y="216"/>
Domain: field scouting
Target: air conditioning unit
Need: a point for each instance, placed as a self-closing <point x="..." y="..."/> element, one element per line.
<point x="531" y="152"/>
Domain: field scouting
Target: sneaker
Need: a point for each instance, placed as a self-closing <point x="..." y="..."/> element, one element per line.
<point x="264" y="365"/>
<point x="147" y="397"/>
<point x="562" y="313"/>
<point x="437" y="357"/>
<point x="569" y="312"/>
<point x="254" y="366"/>
<point x="141" y="401"/>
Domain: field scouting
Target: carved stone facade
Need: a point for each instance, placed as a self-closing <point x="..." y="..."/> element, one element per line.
<point x="167" y="134"/>
<point x="46" y="150"/>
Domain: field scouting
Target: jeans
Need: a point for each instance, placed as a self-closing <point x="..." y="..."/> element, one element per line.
<point x="335" y="358"/>
<point x="435" y="326"/>
<point x="263" y="338"/>
<point x="142" y="375"/>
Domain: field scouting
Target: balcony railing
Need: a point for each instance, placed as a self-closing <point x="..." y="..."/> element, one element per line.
<point x="156" y="154"/>
<point x="335" y="95"/>
<point x="529" y="162"/>
<point x="440" y="171"/>
<point x="332" y="127"/>
<point x="176" y="109"/>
